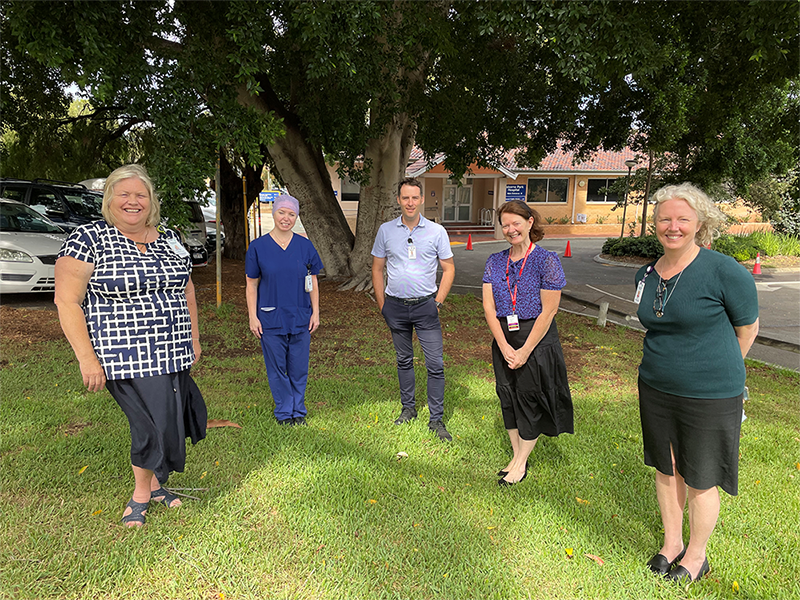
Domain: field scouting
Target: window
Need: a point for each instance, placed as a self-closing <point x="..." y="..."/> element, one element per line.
<point x="595" y="191"/>
<point x="547" y="190"/>
<point x="350" y="190"/>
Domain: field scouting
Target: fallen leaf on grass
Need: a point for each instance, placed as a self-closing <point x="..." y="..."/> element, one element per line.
<point x="569" y="552"/>
<point x="735" y="586"/>
<point x="401" y="455"/>
<point x="221" y="423"/>
<point x="83" y="469"/>
<point x="97" y="512"/>
<point x="371" y="501"/>
<point x="596" y="559"/>
<point x="581" y="500"/>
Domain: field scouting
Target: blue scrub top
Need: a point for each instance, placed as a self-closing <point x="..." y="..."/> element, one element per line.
<point x="284" y="306"/>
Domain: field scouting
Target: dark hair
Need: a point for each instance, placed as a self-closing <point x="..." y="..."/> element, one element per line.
<point x="520" y="208"/>
<point x="412" y="181"/>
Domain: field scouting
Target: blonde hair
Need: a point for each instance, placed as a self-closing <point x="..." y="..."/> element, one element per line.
<point x="128" y="172"/>
<point x="711" y="218"/>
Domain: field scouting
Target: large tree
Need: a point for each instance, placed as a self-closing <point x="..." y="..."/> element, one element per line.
<point x="362" y="82"/>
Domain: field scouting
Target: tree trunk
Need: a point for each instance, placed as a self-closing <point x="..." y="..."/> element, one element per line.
<point x="388" y="156"/>
<point x="303" y="170"/>
<point x="232" y="206"/>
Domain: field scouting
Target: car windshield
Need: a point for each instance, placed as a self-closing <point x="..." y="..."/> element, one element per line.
<point x="84" y="203"/>
<point x="19" y="218"/>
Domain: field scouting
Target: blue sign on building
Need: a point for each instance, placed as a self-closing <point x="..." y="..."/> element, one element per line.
<point x="268" y="196"/>
<point x="515" y="191"/>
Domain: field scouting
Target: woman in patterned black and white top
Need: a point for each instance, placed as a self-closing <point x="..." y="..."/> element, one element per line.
<point x="127" y="306"/>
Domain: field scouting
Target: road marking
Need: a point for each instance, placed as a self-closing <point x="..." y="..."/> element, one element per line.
<point x="609" y="294"/>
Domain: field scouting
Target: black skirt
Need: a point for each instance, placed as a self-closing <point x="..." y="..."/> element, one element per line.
<point x="704" y="434"/>
<point x="162" y="411"/>
<point x="535" y="399"/>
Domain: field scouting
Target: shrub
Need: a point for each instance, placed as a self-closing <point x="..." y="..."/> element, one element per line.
<point x="741" y="248"/>
<point x="550" y="220"/>
<point x="787" y="219"/>
<point x="647" y="247"/>
<point x="600" y="219"/>
<point x="564" y="220"/>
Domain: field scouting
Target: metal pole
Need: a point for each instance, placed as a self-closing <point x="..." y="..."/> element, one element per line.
<point x="625" y="205"/>
<point x="246" y="219"/>
<point x="647" y="195"/>
<point x="218" y="191"/>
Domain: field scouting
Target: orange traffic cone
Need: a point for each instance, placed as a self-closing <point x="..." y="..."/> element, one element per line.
<point x="757" y="266"/>
<point x="469" y="242"/>
<point x="568" y="252"/>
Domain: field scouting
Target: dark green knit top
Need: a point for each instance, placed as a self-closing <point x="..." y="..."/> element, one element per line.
<point x="692" y="350"/>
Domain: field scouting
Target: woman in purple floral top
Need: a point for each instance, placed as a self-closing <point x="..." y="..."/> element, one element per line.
<point x="521" y="293"/>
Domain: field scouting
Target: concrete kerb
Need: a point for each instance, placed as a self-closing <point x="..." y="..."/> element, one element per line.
<point x="760" y="339"/>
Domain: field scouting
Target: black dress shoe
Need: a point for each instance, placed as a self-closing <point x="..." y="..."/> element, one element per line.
<point x="299" y="420"/>
<point x="504" y="483"/>
<point x="661" y="566"/>
<point x="680" y="573"/>
<point x="288" y="422"/>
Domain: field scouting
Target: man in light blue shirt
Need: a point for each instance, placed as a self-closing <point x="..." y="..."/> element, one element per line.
<point x="411" y="248"/>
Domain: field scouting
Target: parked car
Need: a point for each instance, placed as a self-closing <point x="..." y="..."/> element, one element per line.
<point x="29" y="245"/>
<point x="68" y="205"/>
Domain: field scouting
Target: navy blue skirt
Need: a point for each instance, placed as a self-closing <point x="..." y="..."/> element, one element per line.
<point x="162" y="411"/>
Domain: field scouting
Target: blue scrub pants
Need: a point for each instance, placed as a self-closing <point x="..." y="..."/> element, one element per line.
<point x="286" y="358"/>
<point x="402" y="320"/>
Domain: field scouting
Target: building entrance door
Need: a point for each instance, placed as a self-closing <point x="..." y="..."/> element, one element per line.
<point x="457" y="203"/>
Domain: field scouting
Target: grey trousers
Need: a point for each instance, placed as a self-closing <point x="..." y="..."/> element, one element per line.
<point x="403" y="320"/>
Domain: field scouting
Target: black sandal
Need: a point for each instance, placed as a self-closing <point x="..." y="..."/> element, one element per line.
<point x="162" y="496"/>
<point x="136" y="516"/>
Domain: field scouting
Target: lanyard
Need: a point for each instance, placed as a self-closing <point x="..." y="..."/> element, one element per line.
<point x="508" y="282"/>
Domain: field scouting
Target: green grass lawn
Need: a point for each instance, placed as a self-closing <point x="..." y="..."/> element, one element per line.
<point x="329" y="511"/>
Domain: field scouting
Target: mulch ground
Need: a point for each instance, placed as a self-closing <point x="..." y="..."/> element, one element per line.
<point x="463" y="343"/>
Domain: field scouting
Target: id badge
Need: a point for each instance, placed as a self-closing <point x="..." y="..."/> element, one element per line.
<point x="412" y="253"/>
<point x="309" y="283"/>
<point x="513" y="322"/>
<point x="177" y="247"/>
<point x="639" y="291"/>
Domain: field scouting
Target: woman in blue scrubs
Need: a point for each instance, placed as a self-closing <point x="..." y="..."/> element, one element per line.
<point x="283" y="307"/>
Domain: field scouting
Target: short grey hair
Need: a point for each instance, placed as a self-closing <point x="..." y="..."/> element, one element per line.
<point x="711" y="218"/>
<point x="128" y="172"/>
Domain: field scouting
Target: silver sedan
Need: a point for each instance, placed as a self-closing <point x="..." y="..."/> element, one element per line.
<point x="29" y="245"/>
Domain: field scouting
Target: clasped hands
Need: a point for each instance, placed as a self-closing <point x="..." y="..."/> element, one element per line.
<point x="515" y="358"/>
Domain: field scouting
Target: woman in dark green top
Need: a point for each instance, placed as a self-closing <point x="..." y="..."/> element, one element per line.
<point x="700" y="309"/>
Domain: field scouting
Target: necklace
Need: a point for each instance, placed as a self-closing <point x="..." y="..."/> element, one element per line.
<point x="281" y="243"/>
<point x="142" y="246"/>
<point x="660" y="301"/>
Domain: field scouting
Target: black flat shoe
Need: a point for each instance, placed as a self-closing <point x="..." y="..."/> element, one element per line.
<point x="680" y="573"/>
<point x="661" y="566"/>
<point x="504" y="473"/>
<point x="504" y="483"/>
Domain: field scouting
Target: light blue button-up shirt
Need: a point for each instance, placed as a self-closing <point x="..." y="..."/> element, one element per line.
<point x="411" y="278"/>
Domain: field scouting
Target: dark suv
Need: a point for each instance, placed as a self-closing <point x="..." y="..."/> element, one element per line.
<point x="66" y="204"/>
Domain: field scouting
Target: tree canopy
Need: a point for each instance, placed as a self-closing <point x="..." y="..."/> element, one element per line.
<point x="363" y="82"/>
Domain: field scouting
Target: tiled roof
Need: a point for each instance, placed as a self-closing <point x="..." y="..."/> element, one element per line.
<point x="557" y="161"/>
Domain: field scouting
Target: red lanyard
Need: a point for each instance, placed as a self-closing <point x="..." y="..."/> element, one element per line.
<point x="508" y="282"/>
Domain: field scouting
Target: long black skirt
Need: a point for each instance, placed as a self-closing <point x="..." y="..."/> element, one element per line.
<point x="162" y="410"/>
<point x="703" y="432"/>
<point x="535" y="399"/>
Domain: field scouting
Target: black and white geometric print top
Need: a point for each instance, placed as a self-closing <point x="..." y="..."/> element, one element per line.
<point x="135" y="304"/>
